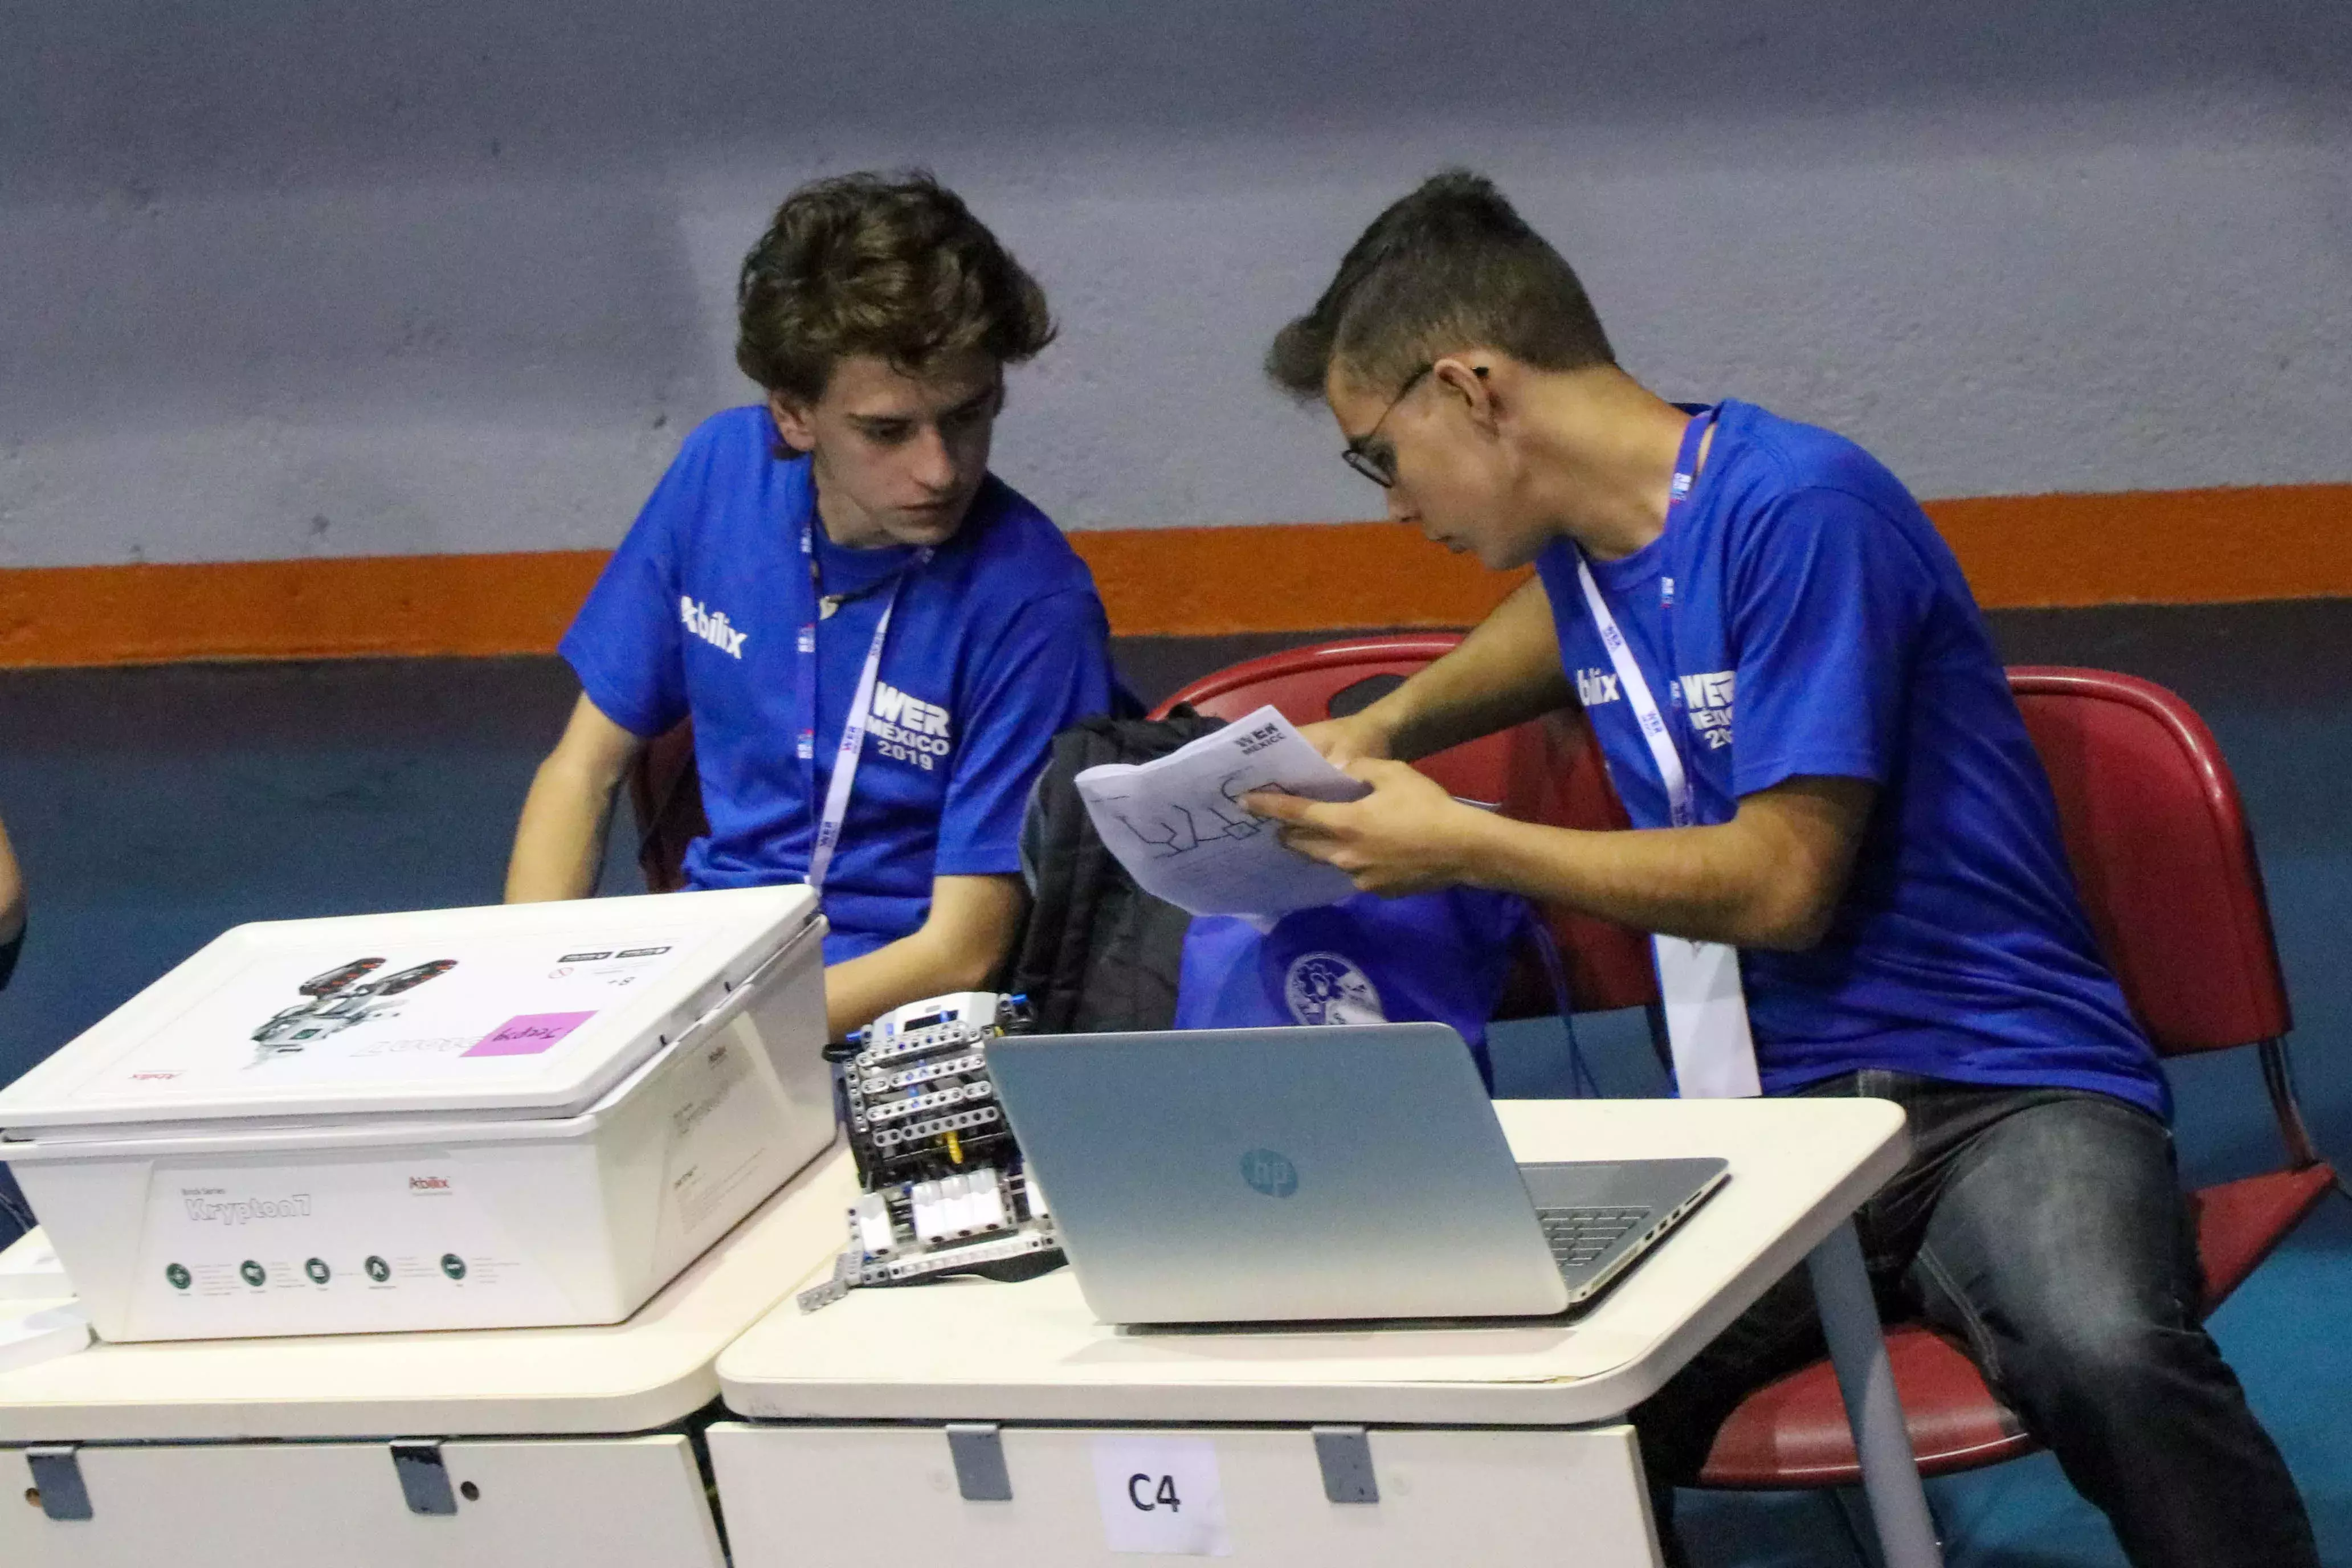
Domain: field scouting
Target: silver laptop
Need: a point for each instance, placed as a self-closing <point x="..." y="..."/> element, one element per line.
<point x="1246" y="1175"/>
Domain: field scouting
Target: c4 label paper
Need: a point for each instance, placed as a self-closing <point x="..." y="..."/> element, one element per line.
<point x="1160" y="1495"/>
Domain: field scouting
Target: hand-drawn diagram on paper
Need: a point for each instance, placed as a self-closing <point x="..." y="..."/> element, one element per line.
<point x="1181" y="826"/>
<point x="1178" y="826"/>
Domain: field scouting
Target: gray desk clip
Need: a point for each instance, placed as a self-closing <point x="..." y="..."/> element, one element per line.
<point x="423" y="1480"/>
<point x="57" y="1476"/>
<point x="1346" y="1455"/>
<point x="978" y="1449"/>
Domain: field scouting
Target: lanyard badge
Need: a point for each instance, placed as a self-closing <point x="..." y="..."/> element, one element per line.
<point x="1707" y="1010"/>
<point x="861" y="702"/>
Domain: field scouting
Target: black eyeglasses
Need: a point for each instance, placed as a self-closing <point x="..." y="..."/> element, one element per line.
<point x="1380" y="467"/>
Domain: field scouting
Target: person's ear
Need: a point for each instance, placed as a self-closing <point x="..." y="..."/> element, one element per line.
<point x="792" y="422"/>
<point x="1467" y="381"/>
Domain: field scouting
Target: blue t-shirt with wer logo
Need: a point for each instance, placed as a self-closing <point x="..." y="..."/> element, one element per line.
<point x="1801" y="616"/>
<point x="997" y="642"/>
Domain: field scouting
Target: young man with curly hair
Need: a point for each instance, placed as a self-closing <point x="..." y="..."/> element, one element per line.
<point x="840" y="551"/>
<point x="1805" y="715"/>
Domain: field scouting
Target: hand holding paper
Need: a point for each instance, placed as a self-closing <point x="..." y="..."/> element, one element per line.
<point x="1405" y="835"/>
<point x="1178" y="825"/>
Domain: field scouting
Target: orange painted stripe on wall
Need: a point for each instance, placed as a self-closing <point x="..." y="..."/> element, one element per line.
<point x="1284" y="577"/>
<point x="2159" y="547"/>
<point x="321" y="608"/>
<point x="2153" y="547"/>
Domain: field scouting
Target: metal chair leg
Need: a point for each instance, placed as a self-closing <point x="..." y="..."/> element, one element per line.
<point x="2278" y="1081"/>
<point x="1863" y="1538"/>
<point x="1859" y="1540"/>
<point x="1898" y="1501"/>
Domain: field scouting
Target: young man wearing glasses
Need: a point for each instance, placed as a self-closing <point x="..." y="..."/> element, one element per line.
<point x="875" y="638"/>
<point x="1799" y="704"/>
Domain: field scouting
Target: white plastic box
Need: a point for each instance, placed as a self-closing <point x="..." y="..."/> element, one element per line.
<point x="485" y="1118"/>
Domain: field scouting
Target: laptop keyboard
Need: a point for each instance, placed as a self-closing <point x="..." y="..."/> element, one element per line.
<point x="1579" y="1235"/>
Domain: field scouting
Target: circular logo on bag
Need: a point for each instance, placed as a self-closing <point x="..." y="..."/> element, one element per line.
<point x="1269" y="1173"/>
<point x="1328" y="988"/>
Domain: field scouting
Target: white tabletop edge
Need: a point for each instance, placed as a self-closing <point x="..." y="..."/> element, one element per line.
<point x="761" y="1375"/>
<point x="653" y="1369"/>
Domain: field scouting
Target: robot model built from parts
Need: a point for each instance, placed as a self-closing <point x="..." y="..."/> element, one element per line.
<point x="945" y="1191"/>
<point x="338" y="999"/>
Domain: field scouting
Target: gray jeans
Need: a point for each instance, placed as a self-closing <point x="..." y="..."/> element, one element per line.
<point x="2044" y="1228"/>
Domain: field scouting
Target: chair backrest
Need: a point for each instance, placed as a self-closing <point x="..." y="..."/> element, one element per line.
<point x="1547" y="771"/>
<point x="2161" y="852"/>
<point x="1310" y="684"/>
<point x="666" y="793"/>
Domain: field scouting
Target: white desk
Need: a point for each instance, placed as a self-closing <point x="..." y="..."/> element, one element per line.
<point x="1492" y="1444"/>
<point x="238" y="1452"/>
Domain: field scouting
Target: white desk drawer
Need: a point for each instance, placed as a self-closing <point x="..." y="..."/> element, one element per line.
<point x="584" y="1503"/>
<point x="803" y="1496"/>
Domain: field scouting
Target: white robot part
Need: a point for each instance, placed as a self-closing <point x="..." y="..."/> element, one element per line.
<point x="947" y="1191"/>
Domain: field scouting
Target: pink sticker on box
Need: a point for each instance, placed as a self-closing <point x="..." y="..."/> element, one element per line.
<point x="528" y="1033"/>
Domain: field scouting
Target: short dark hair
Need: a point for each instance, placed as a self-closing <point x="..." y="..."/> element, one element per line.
<point x="892" y="266"/>
<point x="1452" y="266"/>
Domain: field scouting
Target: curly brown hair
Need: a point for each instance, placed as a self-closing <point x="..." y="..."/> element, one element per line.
<point x="893" y="266"/>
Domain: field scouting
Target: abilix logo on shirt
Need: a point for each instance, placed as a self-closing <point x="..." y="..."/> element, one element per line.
<point x="1594" y="687"/>
<point x="712" y="629"/>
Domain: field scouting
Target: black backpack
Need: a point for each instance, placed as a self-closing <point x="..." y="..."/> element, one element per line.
<point x="1097" y="954"/>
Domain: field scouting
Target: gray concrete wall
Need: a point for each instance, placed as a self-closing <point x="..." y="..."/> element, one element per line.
<point x="454" y="275"/>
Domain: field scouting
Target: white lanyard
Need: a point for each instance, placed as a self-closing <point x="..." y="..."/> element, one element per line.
<point x="1698" y="981"/>
<point x="1636" y="688"/>
<point x="1630" y="679"/>
<point x="853" y="729"/>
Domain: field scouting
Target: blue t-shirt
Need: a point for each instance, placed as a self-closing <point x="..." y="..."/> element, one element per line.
<point x="1801" y="616"/>
<point x="996" y="643"/>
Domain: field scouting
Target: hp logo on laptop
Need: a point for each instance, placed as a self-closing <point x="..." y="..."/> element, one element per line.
<point x="1269" y="1173"/>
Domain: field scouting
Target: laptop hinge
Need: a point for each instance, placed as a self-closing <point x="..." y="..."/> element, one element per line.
<point x="1346" y="1455"/>
<point x="57" y="1477"/>
<point x="978" y="1449"/>
<point x="423" y="1480"/>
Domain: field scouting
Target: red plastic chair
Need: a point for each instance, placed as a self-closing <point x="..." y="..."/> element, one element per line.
<point x="2165" y="865"/>
<point x="1547" y="770"/>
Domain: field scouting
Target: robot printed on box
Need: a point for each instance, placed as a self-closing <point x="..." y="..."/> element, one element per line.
<point x="339" y="999"/>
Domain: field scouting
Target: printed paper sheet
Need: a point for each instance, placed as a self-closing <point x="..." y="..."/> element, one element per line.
<point x="1177" y="825"/>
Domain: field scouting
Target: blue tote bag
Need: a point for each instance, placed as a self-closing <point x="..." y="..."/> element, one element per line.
<point x="1440" y="957"/>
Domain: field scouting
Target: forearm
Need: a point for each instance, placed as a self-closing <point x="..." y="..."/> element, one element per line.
<point x="12" y="891"/>
<point x="1772" y="877"/>
<point x="1506" y="671"/>
<point x="959" y="947"/>
<point x="859" y="990"/>
<point x="558" y="843"/>
<point x="1705" y="884"/>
